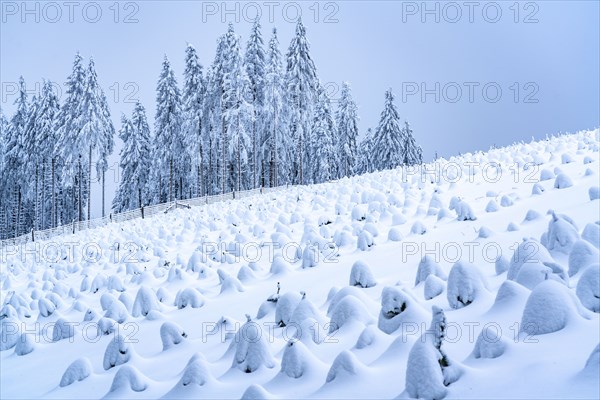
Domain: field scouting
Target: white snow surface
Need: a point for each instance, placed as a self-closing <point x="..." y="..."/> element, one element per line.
<point x="172" y="311"/>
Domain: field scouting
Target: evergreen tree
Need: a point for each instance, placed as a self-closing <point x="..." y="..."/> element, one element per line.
<point x="302" y="85"/>
<point x="14" y="175"/>
<point x="67" y="153"/>
<point x="322" y="149"/>
<point x="96" y="136"/>
<point x="364" y="153"/>
<point x="275" y="144"/>
<point x="237" y="114"/>
<point x="168" y="147"/>
<point x="254" y="62"/>
<point x="3" y="200"/>
<point x="40" y="143"/>
<point x="412" y="154"/>
<point x="135" y="162"/>
<point x="347" y="124"/>
<point x="193" y="103"/>
<point x="389" y="140"/>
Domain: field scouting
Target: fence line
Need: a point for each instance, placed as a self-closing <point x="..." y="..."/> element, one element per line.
<point x="144" y="212"/>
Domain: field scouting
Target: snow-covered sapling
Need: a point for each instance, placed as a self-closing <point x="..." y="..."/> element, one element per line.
<point x="588" y="288"/>
<point x="361" y="275"/>
<point x="171" y="334"/>
<point x="77" y="371"/>
<point x="464" y="284"/>
<point x="117" y="352"/>
<point x="252" y="350"/>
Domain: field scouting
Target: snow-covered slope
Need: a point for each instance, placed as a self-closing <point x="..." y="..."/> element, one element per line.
<point x="184" y="305"/>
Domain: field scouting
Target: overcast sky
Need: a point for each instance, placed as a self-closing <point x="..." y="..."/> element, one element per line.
<point x="467" y="75"/>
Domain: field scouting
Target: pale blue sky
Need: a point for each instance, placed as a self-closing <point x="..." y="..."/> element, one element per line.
<point x="373" y="45"/>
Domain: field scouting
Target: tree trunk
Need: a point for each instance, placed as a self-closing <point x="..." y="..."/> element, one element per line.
<point x="103" y="191"/>
<point x="254" y="158"/>
<point x="43" y="224"/>
<point x="53" y="194"/>
<point x="171" y="179"/>
<point x="80" y="208"/>
<point x="89" y="202"/>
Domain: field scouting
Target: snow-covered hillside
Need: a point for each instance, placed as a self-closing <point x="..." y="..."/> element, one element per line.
<point x="477" y="278"/>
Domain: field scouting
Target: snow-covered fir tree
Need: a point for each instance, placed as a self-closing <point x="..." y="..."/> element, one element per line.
<point x="321" y="148"/>
<point x="276" y="149"/>
<point x="364" y="162"/>
<point x="168" y="148"/>
<point x="237" y="115"/>
<point x="67" y="153"/>
<point x="3" y="199"/>
<point x="389" y="139"/>
<point x="254" y="62"/>
<point x="14" y="175"/>
<point x="302" y="85"/>
<point x="96" y="136"/>
<point x="347" y="124"/>
<point x="193" y="103"/>
<point x="412" y="152"/>
<point x="135" y="162"/>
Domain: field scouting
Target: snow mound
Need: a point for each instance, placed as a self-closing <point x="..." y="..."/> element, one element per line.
<point x="528" y="250"/>
<point x="465" y="283"/>
<point x="77" y="371"/>
<point x="196" y="372"/>
<point x="297" y="360"/>
<point x="171" y="334"/>
<point x="433" y="287"/>
<point x="117" y="352"/>
<point x="398" y="308"/>
<point x="428" y="266"/>
<point x="361" y="275"/>
<point x="588" y="288"/>
<point x="128" y="378"/>
<point x="286" y="305"/>
<point x="188" y="297"/>
<point x="256" y="392"/>
<point x="594" y="193"/>
<point x="345" y="365"/>
<point x="145" y="301"/>
<point x="582" y="255"/>
<point x="561" y="234"/>
<point x="562" y="181"/>
<point x="349" y="309"/>
<point x="252" y="350"/>
<point x="548" y="309"/>
<point x="591" y="233"/>
<point x="490" y="343"/>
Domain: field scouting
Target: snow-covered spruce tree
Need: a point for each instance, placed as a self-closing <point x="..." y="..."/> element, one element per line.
<point x="413" y="155"/>
<point x="321" y="149"/>
<point x="193" y="103"/>
<point x="389" y="139"/>
<point x="254" y="62"/>
<point x="168" y="147"/>
<point x="14" y="171"/>
<point x="302" y="94"/>
<point x="365" y="158"/>
<point x="39" y="148"/>
<point x="67" y="152"/>
<point x="275" y="147"/>
<point x="213" y="129"/>
<point x="135" y="162"/>
<point x="3" y="198"/>
<point x="237" y="114"/>
<point x="347" y="124"/>
<point x="96" y="137"/>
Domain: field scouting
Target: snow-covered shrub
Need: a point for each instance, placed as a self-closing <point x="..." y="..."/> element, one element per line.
<point x="395" y="235"/>
<point x="245" y="274"/>
<point x="25" y="345"/>
<point x="533" y="273"/>
<point x="546" y="175"/>
<point x="280" y="265"/>
<point x="561" y="234"/>
<point x="310" y="256"/>
<point x="343" y="238"/>
<point x="492" y="206"/>
<point x="296" y="360"/>
<point x="398" y="219"/>
<point x="256" y="392"/>
<point x="359" y="212"/>
<point x="349" y="309"/>
<point x="464" y="284"/>
<point x="117" y="352"/>
<point x="582" y="255"/>
<point x="63" y="330"/>
<point x="512" y="227"/>
<point x="433" y="287"/>
<point x="537" y="189"/>
<point x="345" y="363"/>
<point x="305" y="310"/>
<point x="117" y="311"/>
<point x="361" y="275"/>
<point x="566" y="158"/>
<point x="115" y="283"/>
<point x="106" y="326"/>
<point x="506" y="201"/>
<point x="592" y="365"/>
<point x="418" y="228"/>
<point x="428" y="266"/>
<point x="252" y="350"/>
<point x="372" y="229"/>
<point x="591" y="233"/>
<point x="365" y="241"/>
<point x="286" y="305"/>
<point x="46" y="307"/>
<point x="594" y="193"/>
<point x="588" y="288"/>
<point x="532" y="215"/>
<point x="229" y="283"/>
<point x="127" y="377"/>
<point x="398" y="307"/>
<point x="188" y="297"/>
<point x="548" y="309"/>
<point x="464" y="212"/>
<point x="429" y="370"/>
<point x="528" y="250"/>
<point x="171" y="334"/>
<point x="501" y="264"/>
<point x="196" y="372"/>
<point x="490" y="343"/>
<point x="484" y="232"/>
<point x="77" y="371"/>
<point x="145" y="301"/>
<point x="562" y="181"/>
